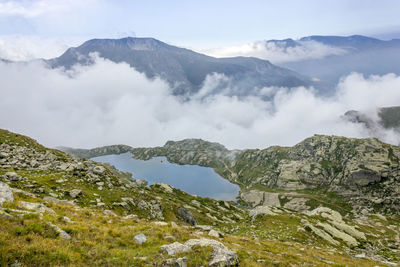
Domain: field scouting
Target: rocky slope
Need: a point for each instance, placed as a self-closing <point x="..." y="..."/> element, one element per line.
<point x="183" y="69"/>
<point x="366" y="171"/>
<point x="63" y="211"/>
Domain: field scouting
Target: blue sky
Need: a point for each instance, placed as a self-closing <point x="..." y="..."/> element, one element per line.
<point x="199" y="24"/>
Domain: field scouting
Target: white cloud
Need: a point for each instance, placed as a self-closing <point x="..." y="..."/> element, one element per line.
<point x="110" y="103"/>
<point x="28" y="47"/>
<point x="35" y="8"/>
<point x="277" y="52"/>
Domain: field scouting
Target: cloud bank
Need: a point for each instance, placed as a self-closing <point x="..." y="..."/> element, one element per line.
<point x="110" y="103"/>
<point x="28" y="47"/>
<point x="278" y="51"/>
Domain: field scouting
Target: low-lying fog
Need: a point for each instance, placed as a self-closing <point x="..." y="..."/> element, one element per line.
<point x="109" y="103"/>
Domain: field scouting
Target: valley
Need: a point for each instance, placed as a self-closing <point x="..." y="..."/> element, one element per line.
<point x="99" y="210"/>
<point x="199" y="133"/>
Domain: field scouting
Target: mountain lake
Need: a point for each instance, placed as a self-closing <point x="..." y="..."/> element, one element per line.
<point x="193" y="179"/>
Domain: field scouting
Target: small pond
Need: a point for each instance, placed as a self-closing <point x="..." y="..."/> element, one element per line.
<point x="193" y="179"/>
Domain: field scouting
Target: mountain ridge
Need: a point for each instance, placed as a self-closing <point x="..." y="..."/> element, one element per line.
<point x="185" y="70"/>
<point x="366" y="55"/>
<point x="347" y="166"/>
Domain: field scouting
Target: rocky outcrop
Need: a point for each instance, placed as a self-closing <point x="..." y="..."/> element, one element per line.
<point x="347" y="166"/>
<point x="74" y="193"/>
<point x="39" y="207"/>
<point x="320" y="233"/>
<point x="91" y="193"/>
<point x="6" y="194"/>
<point x="12" y="176"/>
<point x="326" y="213"/>
<point x="297" y="204"/>
<point x="153" y="207"/>
<point x="34" y="159"/>
<point x="61" y="233"/>
<point x="349" y="240"/>
<point x="364" y="178"/>
<point x="96" y="152"/>
<point x="264" y="210"/>
<point x="187" y="216"/>
<point x="140" y="239"/>
<point x="351" y="230"/>
<point x="292" y="201"/>
<point x="335" y="227"/>
<point x="256" y="198"/>
<point x="221" y="255"/>
<point x="165" y="187"/>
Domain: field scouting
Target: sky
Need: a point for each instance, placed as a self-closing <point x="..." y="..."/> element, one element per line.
<point x="198" y="24"/>
<point x="109" y="103"/>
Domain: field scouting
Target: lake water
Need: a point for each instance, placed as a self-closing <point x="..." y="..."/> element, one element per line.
<point x="193" y="179"/>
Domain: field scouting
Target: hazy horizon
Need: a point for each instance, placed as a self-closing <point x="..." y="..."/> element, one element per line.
<point x="58" y="24"/>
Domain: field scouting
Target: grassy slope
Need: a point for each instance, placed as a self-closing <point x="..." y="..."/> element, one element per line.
<point x="98" y="239"/>
<point x="101" y="240"/>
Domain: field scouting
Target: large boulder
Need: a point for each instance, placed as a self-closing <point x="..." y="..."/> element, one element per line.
<point x="256" y="198"/>
<point x="363" y="178"/>
<point x="297" y="204"/>
<point x="215" y="233"/>
<point x="139" y="182"/>
<point x="264" y="210"/>
<point x="349" y="240"/>
<point x="165" y="187"/>
<point x="74" y="193"/>
<point x="12" y="176"/>
<point x="154" y="207"/>
<point x="187" y="216"/>
<point x="326" y="213"/>
<point x="271" y="199"/>
<point x="321" y="233"/>
<point x="6" y="194"/>
<point x="39" y="207"/>
<point x="221" y="255"/>
<point x="336" y="227"/>
<point x="140" y="239"/>
<point x="61" y="233"/>
<point x="175" y="248"/>
<point x="99" y="170"/>
<point x="351" y="230"/>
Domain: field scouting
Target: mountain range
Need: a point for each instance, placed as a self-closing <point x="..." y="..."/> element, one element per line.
<point x="186" y="70"/>
<point x="361" y="54"/>
<point x="183" y="69"/>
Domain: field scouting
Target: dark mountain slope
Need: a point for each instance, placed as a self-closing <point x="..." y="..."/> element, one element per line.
<point x="184" y="69"/>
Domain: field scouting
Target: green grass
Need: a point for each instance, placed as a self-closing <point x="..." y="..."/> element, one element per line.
<point x="102" y="240"/>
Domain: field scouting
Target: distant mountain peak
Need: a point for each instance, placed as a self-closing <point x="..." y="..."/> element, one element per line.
<point x="184" y="69"/>
<point x="352" y="41"/>
<point x="359" y="53"/>
<point x="285" y="42"/>
<point x="134" y="43"/>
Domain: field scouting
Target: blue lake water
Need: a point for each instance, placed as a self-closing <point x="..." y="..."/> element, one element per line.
<point x="193" y="179"/>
